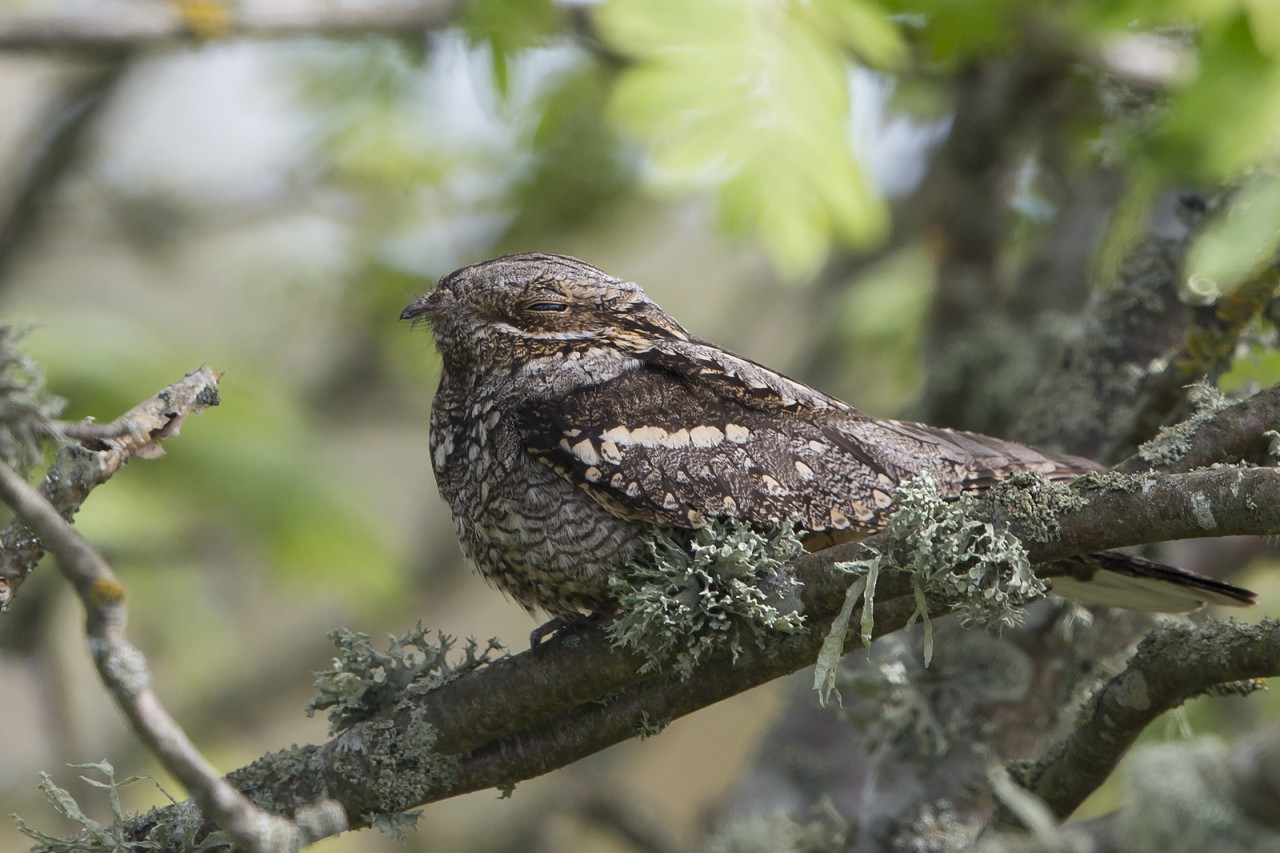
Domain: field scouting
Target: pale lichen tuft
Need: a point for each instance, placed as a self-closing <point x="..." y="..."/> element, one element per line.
<point x="956" y="560"/>
<point x="683" y="600"/>
<point x="364" y="681"/>
<point x="93" y="836"/>
<point x="26" y="409"/>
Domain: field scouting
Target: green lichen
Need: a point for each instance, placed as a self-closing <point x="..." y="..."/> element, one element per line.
<point x="94" y="836"/>
<point x="956" y="560"/>
<point x="295" y="762"/>
<point x="394" y="824"/>
<point x="392" y="762"/>
<point x="364" y="681"/>
<point x="1032" y="504"/>
<point x="26" y="409"/>
<point x="1113" y="481"/>
<point x="1171" y="443"/>
<point x="682" y="600"/>
<point x="647" y="727"/>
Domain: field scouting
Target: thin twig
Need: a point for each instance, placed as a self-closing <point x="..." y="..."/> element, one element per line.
<point x="82" y="465"/>
<point x="125" y="674"/>
<point x="113" y="28"/>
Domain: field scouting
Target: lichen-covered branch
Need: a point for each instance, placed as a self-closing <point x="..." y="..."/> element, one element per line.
<point x="527" y="714"/>
<point x="1244" y="431"/>
<point x="1212" y="502"/>
<point x="1172" y="664"/>
<point x="125" y="674"/>
<point x="91" y="455"/>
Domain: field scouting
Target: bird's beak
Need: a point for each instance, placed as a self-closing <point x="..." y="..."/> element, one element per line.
<point x="424" y="306"/>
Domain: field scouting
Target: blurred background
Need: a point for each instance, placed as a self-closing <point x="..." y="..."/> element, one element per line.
<point x="261" y="187"/>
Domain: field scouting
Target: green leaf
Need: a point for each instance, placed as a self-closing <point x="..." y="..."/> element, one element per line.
<point x="1237" y="243"/>
<point x="507" y="27"/>
<point x="1227" y="117"/>
<point x="752" y="98"/>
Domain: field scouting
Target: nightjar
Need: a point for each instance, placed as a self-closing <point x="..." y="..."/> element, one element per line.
<point x="574" y="416"/>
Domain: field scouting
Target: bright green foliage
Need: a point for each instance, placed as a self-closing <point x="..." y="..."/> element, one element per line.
<point x="372" y="135"/>
<point x="679" y="603"/>
<point x="364" y="681"/>
<point x="751" y="97"/>
<point x="1242" y="239"/>
<point x="1226" y="118"/>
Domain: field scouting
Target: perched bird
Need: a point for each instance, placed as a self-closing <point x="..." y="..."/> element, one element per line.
<point x="574" y="416"/>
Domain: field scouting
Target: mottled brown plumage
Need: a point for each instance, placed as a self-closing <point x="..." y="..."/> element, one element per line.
<point x="574" y="415"/>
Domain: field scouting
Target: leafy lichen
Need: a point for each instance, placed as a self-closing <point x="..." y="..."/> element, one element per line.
<point x="680" y="601"/>
<point x="956" y="560"/>
<point x="26" y="409"/>
<point x="393" y="765"/>
<point x="93" y="836"/>
<point x="364" y="681"/>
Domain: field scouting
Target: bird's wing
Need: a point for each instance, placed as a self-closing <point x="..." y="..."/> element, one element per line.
<point x="657" y="447"/>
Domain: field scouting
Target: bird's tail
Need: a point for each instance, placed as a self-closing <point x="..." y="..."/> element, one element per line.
<point x="1117" y="579"/>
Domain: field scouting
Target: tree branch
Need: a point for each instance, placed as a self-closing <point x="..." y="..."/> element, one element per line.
<point x="1172" y="664"/>
<point x="528" y="714"/>
<point x="125" y="674"/>
<point x="81" y="465"/>
<point x="1238" y="432"/>
<point x="1213" y="502"/>
<point x="124" y="27"/>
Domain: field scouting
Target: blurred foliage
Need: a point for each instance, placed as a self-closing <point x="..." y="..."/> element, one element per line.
<point x="1242" y="239"/>
<point x="504" y="27"/>
<point x="581" y="166"/>
<point x="752" y="102"/>
<point x="262" y="473"/>
<point x="752" y="98"/>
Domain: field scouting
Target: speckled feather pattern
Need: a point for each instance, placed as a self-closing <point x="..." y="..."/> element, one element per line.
<point x="574" y="415"/>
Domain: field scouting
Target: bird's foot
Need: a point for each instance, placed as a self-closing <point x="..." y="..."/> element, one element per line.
<point x="563" y="625"/>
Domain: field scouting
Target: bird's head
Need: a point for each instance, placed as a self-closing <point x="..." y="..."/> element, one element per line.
<point x="520" y="308"/>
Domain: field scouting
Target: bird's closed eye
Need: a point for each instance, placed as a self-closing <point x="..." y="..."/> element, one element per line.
<point x="552" y="307"/>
